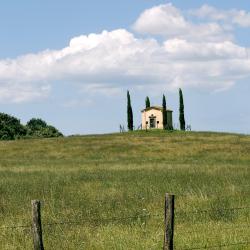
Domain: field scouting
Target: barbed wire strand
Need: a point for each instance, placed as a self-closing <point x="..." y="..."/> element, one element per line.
<point x="211" y="210"/>
<point x="13" y="227"/>
<point x="120" y="218"/>
<point x="218" y="246"/>
<point x="220" y="228"/>
<point x="86" y="220"/>
<point x="107" y="199"/>
<point x="81" y="222"/>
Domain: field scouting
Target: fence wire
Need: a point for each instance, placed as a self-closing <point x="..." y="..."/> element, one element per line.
<point x="149" y="215"/>
<point x="210" y="210"/>
<point x="219" y="228"/>
<point x="15" y="227"/>
<point x="82" y="222"/>
<point x="217" y="246"/>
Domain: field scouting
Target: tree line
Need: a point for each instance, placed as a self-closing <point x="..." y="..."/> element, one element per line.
<point x="164" y="111"/>
<point x="11" y="128"/>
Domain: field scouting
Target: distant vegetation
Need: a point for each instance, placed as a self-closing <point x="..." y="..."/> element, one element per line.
<point x="39" y="128"/>
<point x="147" y="103"/>
<point x="164" y="112"/>
<point x="181" y="111"/>
<point x="129" y="113"/>
<point x="11" y="128"/>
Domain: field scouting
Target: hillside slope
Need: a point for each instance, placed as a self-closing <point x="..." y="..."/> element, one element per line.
<point x="95" y="179"/>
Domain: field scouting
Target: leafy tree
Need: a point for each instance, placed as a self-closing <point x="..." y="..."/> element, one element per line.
<point x="38" y="128"/>
<point x="147" y="102"/>
<point x="181" y="111"/>
<point x="164" y="112"/>
<point x="129" y="113"/>
<point x="10" y="127"/>
<point x="36" y="124"/>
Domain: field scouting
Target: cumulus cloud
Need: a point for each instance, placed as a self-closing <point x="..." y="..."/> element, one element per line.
<point x="233" y="16"/>
<point x="17" y="93"/>
<point x="182" y="49"/>
<point x="169" y="21"/>
<point x="108" y="62"/>
<point x="102" y="61"/>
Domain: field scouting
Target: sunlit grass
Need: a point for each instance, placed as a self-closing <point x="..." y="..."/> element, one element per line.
<point x="91" y="179"/>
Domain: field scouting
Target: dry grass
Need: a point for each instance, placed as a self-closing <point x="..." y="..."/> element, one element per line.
<point x="91" y="179"/>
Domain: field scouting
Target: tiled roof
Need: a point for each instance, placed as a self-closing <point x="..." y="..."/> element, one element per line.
<point x="155" y="107"/>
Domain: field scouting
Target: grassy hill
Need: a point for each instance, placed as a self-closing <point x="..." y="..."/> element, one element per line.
<point x="105" y="184"/>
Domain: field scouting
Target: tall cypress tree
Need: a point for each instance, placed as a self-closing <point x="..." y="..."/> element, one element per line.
<point x="129" y="113"/>
<point x="181" y="111"/>
<point x="164" y="112"/>
<point x="147" y="102"/>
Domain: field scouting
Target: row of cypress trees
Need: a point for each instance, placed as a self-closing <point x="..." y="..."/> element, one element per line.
<point x="164" y="111"/>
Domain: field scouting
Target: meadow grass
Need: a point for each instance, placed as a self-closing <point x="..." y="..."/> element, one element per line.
<point x="112" y="187"/>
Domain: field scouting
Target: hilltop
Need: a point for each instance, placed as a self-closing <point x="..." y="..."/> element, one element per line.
<point x="96" y="177"/>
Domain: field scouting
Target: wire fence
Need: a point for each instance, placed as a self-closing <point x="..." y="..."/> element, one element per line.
<point x="212" y="210"/>
<point x="209" y="212"/>
<point x="182" y="194"/>
<point x="218" y="246"/>
<point x="147" y="215"/>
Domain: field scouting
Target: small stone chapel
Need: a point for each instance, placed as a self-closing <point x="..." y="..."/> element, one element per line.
<point x="152" y="118"/>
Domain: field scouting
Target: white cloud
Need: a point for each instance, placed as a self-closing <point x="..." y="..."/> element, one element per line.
<point x="233" y="16"/>
<point x="181" y="49"/>
<point x="168" y="21"/>
<point x="109" y="62"/>
<point x="19" y="92"/>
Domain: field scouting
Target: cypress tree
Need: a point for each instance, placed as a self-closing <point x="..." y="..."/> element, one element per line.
<point x="129" y="113"/>
<point x="147" y="102"/>
<point x="164" y="112"/>
<point x="181" y="111"/>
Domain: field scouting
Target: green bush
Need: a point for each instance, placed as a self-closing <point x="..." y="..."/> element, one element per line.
<point x="36" y="124"/>
<point x="37" y="128"/>
<point x="11" y="128"/>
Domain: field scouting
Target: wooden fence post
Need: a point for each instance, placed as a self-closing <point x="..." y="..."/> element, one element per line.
<point x="37" y="225"/>
<point x="169" y="223"/>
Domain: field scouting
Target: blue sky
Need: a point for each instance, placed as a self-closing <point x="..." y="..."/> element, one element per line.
<point x="149" y="47"/>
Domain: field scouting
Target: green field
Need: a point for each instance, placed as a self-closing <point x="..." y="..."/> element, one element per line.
<point x="112" y="187"/>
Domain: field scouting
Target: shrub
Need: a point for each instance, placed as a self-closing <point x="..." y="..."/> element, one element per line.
<point x="37" y="128"/>
<point x="11" y="128"/>
<point x="36" y="124"/>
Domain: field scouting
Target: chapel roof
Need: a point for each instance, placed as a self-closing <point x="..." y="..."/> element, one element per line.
<point x="156" y="107"/>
